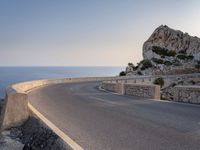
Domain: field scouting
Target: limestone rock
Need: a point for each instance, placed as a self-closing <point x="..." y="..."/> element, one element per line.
<point x="171" y="39"/>
<point x="168" y="52"/>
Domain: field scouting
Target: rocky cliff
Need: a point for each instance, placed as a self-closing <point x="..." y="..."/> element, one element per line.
<point x="172" y="40"/>
<point x="168" y="51"/>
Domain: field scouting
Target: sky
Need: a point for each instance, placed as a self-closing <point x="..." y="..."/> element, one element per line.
<point x="87" y="32"/>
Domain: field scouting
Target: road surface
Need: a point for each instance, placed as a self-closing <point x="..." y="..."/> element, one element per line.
<point x="99" y="120"/>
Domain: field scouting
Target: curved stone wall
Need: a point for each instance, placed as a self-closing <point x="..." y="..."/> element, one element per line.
<point x="16" y="111"/>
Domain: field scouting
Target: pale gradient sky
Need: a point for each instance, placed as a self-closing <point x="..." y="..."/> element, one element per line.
<point x="86" y="32"/>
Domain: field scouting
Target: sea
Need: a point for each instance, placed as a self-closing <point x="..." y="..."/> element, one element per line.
<point x="11" y="75"/>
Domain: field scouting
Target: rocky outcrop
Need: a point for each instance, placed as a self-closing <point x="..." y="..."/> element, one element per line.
<point x="172" y="40"/>
<point x="166" y="52"/>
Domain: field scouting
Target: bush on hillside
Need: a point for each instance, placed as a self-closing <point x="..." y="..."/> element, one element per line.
<point x="171" y="53"/>
<point x="131" y="65"/>
<point x="157" y="61"/>
<point x="139" y="73"/>
<point x="159" y="50"/>
<point x="190" y="57"/>
<point x="163" y="51"/>
<point x="182" y="52"/>
<point x="197" y="66"/>
<point x="122" y="73"/>
<point x="159" y="81"/>
<point x="185" y="57"/>
<point x="146" y="64"/>
<point x="167" y="63"/>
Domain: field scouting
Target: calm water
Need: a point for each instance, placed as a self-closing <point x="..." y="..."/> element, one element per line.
<point x="10" y="75"/>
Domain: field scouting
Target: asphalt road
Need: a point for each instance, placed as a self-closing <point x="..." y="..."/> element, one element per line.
<point x="99" y="120"/>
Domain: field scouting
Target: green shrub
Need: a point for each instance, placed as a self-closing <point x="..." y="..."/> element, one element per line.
<point x="159" y="50"/>
<point x="185" y="57"/>
<point x="167" y="63"/>
<point x="192" y="82"/>
<point x="182" y="52"/>
<point x="139" y="73"/>
<point x="157" y="61"/>
<point x="146" y="64"/>
<point x="162" y="56"/>
<point x="122" y="73"/>
<point x="171" y="53"/>
<point x="181" y="56"/>
<point x="174" y="84"/>
<point x="163" y="51"/>
<point x="136" y="67"/>
<point x="190" y="57"/>
<point x="131" y="65"/>
<point x="159" y="81"/>
<point x="197" y="66"/>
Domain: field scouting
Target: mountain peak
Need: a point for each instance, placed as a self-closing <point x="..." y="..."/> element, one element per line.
<point x="171" y="39"/>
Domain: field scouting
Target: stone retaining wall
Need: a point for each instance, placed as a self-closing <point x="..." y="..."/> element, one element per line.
<point x="117" y="87"/>
<point x="109" y="86"/>
<point x="188" y="94"/>
<point x="141" y="90"/>
<point x="168" y="79"/>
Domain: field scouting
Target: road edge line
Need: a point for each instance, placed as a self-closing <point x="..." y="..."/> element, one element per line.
<point x="53" y="127"/>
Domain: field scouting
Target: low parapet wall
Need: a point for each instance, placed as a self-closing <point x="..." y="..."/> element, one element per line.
<point x="141" y="90"/>
<point x="16" y="110"/>
<point x="117" y="87"/>
<point x="188" y="94"/>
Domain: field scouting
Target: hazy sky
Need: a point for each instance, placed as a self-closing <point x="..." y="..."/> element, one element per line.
<point x="86" y="32"/>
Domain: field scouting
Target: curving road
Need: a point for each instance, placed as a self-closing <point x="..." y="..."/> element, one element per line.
<point x="99" y="120"/>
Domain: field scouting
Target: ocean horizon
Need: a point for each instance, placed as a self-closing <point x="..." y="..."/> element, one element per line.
<point x="14" y="74"/>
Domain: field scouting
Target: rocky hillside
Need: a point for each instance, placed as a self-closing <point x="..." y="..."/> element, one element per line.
<point x="168" y="51"/>
<point x="165" y="38"/>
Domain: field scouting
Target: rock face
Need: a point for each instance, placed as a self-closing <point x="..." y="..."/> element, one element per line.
<point x="166" y="52"/>
<point x="174" y="40"/>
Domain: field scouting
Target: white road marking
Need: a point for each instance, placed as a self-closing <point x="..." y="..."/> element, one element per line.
<point x="101" y="89"/>
<point x="60" y="133"/>
<point x="103" y="100"/>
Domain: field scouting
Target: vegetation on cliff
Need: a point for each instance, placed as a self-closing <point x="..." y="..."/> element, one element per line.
<point x="159" y="81"/>
<point x="167" y="50"/>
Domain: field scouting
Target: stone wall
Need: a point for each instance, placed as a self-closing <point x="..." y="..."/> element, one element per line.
<point x="168" y="79"/>
<point x="141" y="90"/>
<point x="109" y="86"/>
<point x="117" y="87"/>
<point x="15" y="93"/>
<point x="188" y="94"/>
<point x="16" y="110"/>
